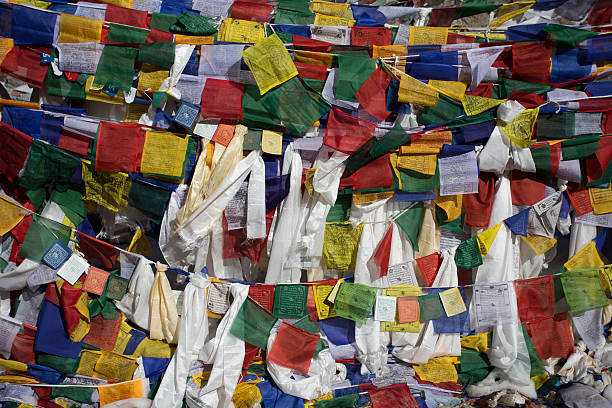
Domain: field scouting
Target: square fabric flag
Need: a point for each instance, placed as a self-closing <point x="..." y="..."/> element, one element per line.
<point x="222" y="99"/>
<point x="535" y="298"/>
<point x="407" y="309"/>
<point x="116" y="287"/>
<point x="290" y="300"/>
<point x="293" y="348"/>
<point x="431" y="307"/>
<point x="270" y="63"/>
<point x="253" y="324"/>
<point x="57" y="254"/>
<point x="346" y="133"/>
<point x="96" y="280"/>
<point x="119" y="147"/>
<point x="354" y="301"/>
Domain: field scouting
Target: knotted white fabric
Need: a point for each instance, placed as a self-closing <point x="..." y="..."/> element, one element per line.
<point x="164" y="321"/>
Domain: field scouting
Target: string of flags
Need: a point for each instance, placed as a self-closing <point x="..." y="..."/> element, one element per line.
<point x="304" y="203"/>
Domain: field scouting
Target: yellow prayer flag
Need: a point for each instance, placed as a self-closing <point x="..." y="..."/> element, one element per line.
<point x="540" y="380"/>
<point x="246" y="395"/>
<point x="114" y="366"/>
<point x="151" y="77"/>
<point x="120" y="3"/>
<point x="77" y="29"/>
<point x="272" y="142"/>
<point x="386" y="51"/>
<point x="309" y="180"/>
<point x="452" y="205"/>
<point x="35" y="3"/>
<point x="367" y="198"/>
<point x="106" y="188"/>
<point x="134" y="111"/>
<point x="520" y="129"/>
<point x="478" y="342"/>
<point x="17" y="379"/>
<point x="153" y="348"/>
<point x="437" y="370"/>
<point x="473" y="105"/>
<point x="393" y="159"/>
<point x="164" y="153"/>
<point x="12" y="365"/>
<point x="193" y="39"/>
<point x="242" y="31"/>
<point x="511" y="10"/>
<point x="419" y="149"/>
<point x="329" y="8"/>
<point x="540" y="244"/>
<point x="84" y="323"/>
<point x="11" y="214"/>
<point x="321" y="292"/>
<point x="601" y="199"/>
<point x="94" y="93"/>
<point x="452" y="302"/>
<point x="324" y="20"/>
<point x="485" y="238"/>
<point x="6" y="45"/>
<point x="428" y="35"/>
<point x="117" y="392"/>
<point x="432" y="139"/>
<point x="270" y="63"/>
<point x="421" y="163"/>
<point x="315" y="58"/>
<point x="88" y="361"/>
<point x="452" y="89"/>
<point x="414" y="91"/>
<point x="587" y="257"/>
<point x="140" y="244"/>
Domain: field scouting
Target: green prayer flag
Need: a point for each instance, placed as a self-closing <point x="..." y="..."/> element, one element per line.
<point x="294" y="5"/>
<point x="290" y="300"/>
<point x="468" y="254"/>
<point x="163" y="21"/>
<point x="194" y="24"/>
<point x="465" y="120"/>
<point x="160" y="54"/>
<point x="339" y="212"/>
<point x="410" y="222"/>
<point x="580" y="148"/>
<point x="40" y="236"/>
<point x="430" y="307"/>
<point x="541" y="158"/>
<point x="507" y="86"/>
<point x="149" y="199"/>
<point x="116" y="67"/>
<point x="61" y="86"/>
<point x="254" y="112"/>
<point x="555" y="126"/>
<point x="355" y="301"/>
<point x="473" y="7"/>
<point x="393" y="139"/>
<point x="48" y="166"/>
<point x="63" y="364"/>
<point x="445" y="110"/>
<point x="566" y="36"/>
<point x="78" y="394"/>
<point x="284" y="16"/>
<point x="253" y="324"/>
<point x="315" y="84"/>
<point x="71" y="202"/>
<point x="119" y="33"/>
<point x="295" y="105"/>
<point x="414" y="182"/>
<point x="473" y="367"/>
<point x="351" y="74"/>
<point x="583" y="290"/>
<point x="345" y="401"/>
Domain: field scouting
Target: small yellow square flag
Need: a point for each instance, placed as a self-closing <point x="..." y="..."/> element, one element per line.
<point x="452" y="302"/>
<point x="272" y="142"/>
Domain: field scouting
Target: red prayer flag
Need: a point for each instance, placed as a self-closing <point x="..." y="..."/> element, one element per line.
<point x="527" y="188"/>
<point x="478" y="206"/>
<point x="597" y="163"/>
<point x="293" y="348"/>
<point x="23" y="345"/>
<point x="454" y="38"/>
<point x="380" y="261"/>
<point x="376" y="173"/>
<point x="442" y="16"/>
<point x="103" y="332"/>
<point x="23" y="62"/>
<point x="126" y="16"/>
<point x="14" y="148"/>
<point x="68" y="300"/>
<point x="531" y="62"/>
<point x="347" y="133"/>
<point x="372" y="94"/>
<point x="393" y="396"/>
<point x="370" y="36"/>
<point x="74" y="142"/>
<point x="224" y="134"/>
<point x="310" y="44"/>
<point x="428" y="265"/>
<point x="552" y="337"/>
<point x="311" y="71"/>
<point x="263" y="295"/>
<point x="580" y="198"/>
<point x="119" y="147"/>
<point x="236" y="244"/>
<point x="606" y="123"/>
<point x="245" y="10"/>
<point x="222" y="99"/>
<point x="156" y="35"/>
<point x="94" y="249"/>
<point x="535" y="298"/>
<point x="529" y="100"/>
<point x="483" y="89"/>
